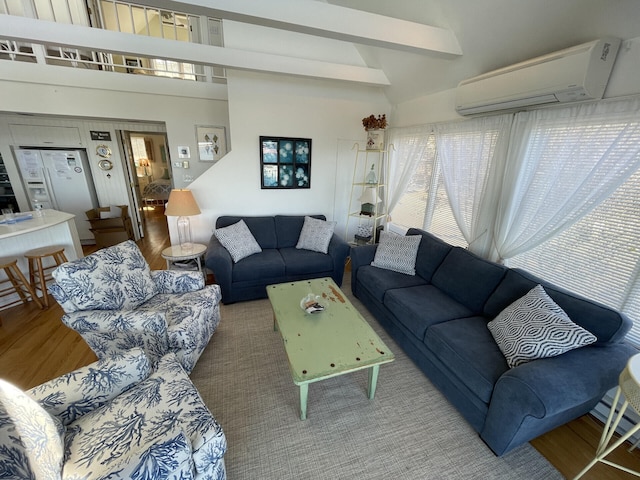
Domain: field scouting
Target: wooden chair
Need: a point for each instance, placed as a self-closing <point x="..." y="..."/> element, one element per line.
<point x="39" y="275"/>
<point x="18" y="283"/>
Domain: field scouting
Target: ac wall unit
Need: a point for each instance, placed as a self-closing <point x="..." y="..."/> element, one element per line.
<point x="569" y="75"/>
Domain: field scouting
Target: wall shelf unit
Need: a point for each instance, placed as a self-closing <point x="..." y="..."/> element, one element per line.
<point x="369" y="196"/>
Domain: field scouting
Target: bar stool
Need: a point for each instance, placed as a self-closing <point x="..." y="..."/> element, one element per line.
<point x="38" y="275"/>
<point x="18" y="283"/>
<point x="629" y="387"/>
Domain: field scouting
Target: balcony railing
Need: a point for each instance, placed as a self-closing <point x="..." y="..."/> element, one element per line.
<point x="121" y="17"/>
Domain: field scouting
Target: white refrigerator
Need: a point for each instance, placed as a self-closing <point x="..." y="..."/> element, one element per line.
<point x="60" y="179"/>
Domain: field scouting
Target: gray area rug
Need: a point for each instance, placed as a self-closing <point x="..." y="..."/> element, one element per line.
<point x="409" y="431"/>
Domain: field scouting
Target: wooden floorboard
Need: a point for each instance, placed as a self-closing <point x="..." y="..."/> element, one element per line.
<point x="35" y="347"/>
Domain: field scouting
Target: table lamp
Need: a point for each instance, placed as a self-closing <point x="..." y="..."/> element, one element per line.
<point x="181" y="204"/>
<point x="369" y="199"/>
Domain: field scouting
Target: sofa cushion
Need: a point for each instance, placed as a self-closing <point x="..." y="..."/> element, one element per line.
<point x="266" y="264"/>
<point x="288" y="228"/>
<point x="467" y="348"/>
<point x="263" y="229"/>
<point x="300" y="261"/>
<point x="431" y="253"/>
<point x="604" y="322"/>
<point x="397" y="252"/>
<point x="315" y="235"/>
<point x="114" y="278"/>
<point x="31" y="440"/>
<point x="238" y="240"/>
<point x="534" y="326"/>
<point x="468" y="278"/>
<point x="417" y="308"/>
<point x="377" y="280"/>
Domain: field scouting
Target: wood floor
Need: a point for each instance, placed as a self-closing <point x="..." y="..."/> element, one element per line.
<point x="35" y="347"/>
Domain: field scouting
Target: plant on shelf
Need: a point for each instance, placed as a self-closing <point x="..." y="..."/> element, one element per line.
<point x="374" y="123"/>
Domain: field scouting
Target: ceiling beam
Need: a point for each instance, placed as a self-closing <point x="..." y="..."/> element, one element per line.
<point x="38" y="31"/>
<point x="324" y="20"/>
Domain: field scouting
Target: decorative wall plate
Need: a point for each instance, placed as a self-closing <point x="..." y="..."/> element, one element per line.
<point x="103" y="150"/>
<point x="105" y="164"/>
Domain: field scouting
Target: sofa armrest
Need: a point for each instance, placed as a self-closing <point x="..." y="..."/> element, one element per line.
<point x="339" y="251"/>
<point x="542" y="394"/>
<point x="173" y="281"/>
<point x="360" y="256"/>
<point x="219" y="261"/>
<point x="70" y="396"/>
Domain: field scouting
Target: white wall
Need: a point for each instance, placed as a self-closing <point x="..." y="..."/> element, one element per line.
<point x="440" y="107"/>
<point x="260" y="104"/>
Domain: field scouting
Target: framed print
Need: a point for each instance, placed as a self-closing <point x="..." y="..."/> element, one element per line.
<point x="285" y="162"/>
<point x="183" y="152"/>
<point x="212" y="143"/>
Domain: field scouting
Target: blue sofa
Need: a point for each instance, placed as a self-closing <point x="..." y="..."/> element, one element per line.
<point x="280" y="261"/>
<point x="440" y="315"/>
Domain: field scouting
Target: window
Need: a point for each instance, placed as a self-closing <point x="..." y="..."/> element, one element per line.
<point x="425" y="204"/>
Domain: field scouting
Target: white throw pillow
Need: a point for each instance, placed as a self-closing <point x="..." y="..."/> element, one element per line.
<point x="397" y="252"/>
<point x="316" y="235"/>
<point x="238" y="240"/>
<point x="534" y="326"/>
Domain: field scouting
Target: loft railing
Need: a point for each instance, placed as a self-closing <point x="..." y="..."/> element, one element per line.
<point x="117" y="16"/>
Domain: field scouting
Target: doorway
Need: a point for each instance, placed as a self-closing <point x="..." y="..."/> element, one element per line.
<point x="149" y="170"/>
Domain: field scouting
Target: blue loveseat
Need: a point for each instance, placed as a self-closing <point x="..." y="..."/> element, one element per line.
<point x="280" y="261"/>
<point x="440" y="315"/>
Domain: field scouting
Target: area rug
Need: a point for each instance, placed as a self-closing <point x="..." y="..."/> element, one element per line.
<point x="408" y="431"/>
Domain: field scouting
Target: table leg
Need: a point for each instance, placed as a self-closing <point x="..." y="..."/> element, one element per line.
<point x="168" y="265"/>
<point x="373" y="380"/>
<point x="304" y="392"/>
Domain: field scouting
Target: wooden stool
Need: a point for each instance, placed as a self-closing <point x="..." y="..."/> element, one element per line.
<point x="35" y="257"/>
<point x="18" y="282"/>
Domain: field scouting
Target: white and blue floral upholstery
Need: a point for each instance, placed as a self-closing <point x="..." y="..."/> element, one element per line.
<point x="180" y="315"/>
<point x="117" y="419"/>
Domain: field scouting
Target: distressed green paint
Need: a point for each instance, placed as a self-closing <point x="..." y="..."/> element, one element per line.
<point x="327" y="344"/>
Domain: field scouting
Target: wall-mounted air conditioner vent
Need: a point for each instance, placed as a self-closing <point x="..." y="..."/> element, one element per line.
<point x="573" y="74"/>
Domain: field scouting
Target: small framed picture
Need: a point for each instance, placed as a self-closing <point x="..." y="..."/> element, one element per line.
<point x="212" y="143"/>
<point x="184" y="152"/>
<point x="285" y="162"/>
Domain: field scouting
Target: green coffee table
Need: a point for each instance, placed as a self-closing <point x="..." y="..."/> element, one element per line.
<point x="327" y="344"/>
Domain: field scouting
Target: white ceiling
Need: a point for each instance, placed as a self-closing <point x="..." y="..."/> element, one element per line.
<point x="491" y="34"/>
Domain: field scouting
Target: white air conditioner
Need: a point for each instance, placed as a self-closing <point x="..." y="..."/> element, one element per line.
<point x="573" y="74"/>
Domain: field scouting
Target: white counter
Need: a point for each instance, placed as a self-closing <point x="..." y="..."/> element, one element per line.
<point x="54" y="228"/>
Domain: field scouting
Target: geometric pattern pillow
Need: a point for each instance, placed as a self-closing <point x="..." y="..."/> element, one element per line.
<point x="114" y="278"/>
<point x="238" y="240"/>
<point x="533" y="327"/>
<point x="397" y="252"/>
<point x="31" y="440"/>
<point x="316" y="235"/>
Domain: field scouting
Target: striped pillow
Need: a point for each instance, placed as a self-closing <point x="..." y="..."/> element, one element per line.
<point x="534" y="326"/>
<point x="397" y="252"/>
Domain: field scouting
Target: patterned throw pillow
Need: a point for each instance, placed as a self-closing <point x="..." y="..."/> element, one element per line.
<point x="316" y="235"/>
<point x="31" y="440"/>
<point x="114" y="278"/>
<point x="238" y="240"/>
<point x="534" y="326"/>
<point x="397" y="252"/>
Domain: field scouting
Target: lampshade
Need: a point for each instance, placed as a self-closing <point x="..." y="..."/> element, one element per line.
<point x="143" y="162"/>
<point x="370" y="195"/>
<point x="181" y="204"/>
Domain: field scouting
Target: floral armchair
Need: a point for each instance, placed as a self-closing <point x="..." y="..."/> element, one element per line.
<point x="115" y="302"/>
<point x="110" y="420"/>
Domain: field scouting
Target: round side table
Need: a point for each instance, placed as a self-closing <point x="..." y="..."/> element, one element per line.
<point x="176" y="253"/>
<point x="629" y="388"/>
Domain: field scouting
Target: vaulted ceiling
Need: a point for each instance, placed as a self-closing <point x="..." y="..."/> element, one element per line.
<point x="410" y="48"/>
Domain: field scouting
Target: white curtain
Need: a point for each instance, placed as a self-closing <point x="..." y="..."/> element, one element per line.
<point x="471" y="156"/>
<point x="553" y="177"/>
<point x="407" y="146"/>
